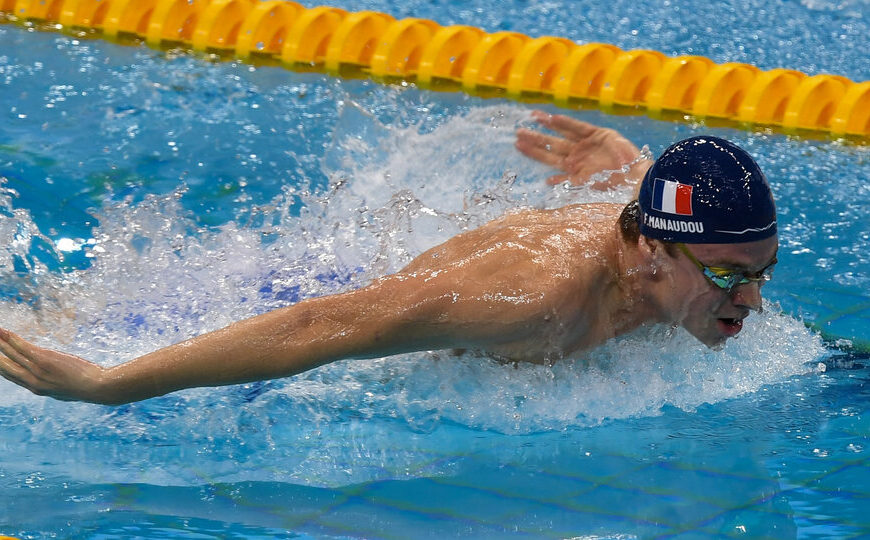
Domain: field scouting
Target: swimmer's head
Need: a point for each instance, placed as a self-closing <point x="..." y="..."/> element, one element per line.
<point x="706" y="190"/>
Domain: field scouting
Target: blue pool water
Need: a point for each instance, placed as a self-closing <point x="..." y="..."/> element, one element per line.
<point x="149" y="196"/>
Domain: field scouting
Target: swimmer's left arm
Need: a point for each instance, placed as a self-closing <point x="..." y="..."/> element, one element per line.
<point x="583" y="150"/>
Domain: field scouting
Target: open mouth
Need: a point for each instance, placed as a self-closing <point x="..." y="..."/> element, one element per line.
<point x="730" y="327"/>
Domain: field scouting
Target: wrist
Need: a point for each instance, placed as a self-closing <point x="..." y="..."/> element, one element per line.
<point x="106" y="388"/>
<point x="639" y="166"/>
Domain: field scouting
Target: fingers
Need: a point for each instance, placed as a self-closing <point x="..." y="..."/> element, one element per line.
<point x="13" y="372"/>
<point x="544" y="148"/>
<point x="15" y="366"/>
<point x="537" y="152"/>
<point x="570" y="128"/>
<point x="17" y="350"/>
<point x="556" y="145"/>
<point x="12" y="353"/>
<point x="24" y="347"/>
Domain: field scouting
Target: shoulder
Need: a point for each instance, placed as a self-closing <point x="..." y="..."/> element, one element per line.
<point x="577" y="226"/>
<point x="589" y="213"/>
<point x="525" y="241"/>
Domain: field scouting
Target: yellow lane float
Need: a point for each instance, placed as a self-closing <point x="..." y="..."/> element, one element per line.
<point x="510" y="63"/>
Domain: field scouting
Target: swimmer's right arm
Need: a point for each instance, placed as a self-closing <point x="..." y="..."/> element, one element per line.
<point x="394" y="315"/>
<point x="280" y="343"/>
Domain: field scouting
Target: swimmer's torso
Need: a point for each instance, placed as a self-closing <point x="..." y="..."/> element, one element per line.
<point x="528" y="286"/>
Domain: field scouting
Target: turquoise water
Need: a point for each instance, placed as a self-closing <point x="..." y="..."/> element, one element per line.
<point x="150" y="196"/>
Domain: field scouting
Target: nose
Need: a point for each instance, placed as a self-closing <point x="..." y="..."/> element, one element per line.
<point x="747" y="296"/>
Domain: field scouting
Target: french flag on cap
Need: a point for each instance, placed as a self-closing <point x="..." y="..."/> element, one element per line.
<point x="672" y="197"/>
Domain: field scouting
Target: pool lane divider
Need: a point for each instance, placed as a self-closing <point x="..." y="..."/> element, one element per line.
<point x="466" y="58"/>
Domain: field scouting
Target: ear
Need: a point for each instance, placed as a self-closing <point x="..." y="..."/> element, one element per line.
<point x="648" y="247"/>
<point x="655" y="252"/>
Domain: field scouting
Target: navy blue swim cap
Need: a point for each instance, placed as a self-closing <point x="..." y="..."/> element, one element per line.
<point x="706" y="190"/>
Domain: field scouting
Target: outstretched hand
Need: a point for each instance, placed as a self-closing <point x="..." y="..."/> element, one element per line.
<point x="583" y="150"/>
<point x="48" y="373"/>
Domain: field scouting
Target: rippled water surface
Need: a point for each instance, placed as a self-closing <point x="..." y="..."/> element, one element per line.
<point x="149" y="196"/>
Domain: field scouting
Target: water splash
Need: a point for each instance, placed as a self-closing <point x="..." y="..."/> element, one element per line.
<point x="158" y="276"/>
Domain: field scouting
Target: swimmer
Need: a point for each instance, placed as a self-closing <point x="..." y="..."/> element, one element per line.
<point x="693" y="250"/>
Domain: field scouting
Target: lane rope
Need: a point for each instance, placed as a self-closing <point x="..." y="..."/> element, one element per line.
<point x="507" y="63"/>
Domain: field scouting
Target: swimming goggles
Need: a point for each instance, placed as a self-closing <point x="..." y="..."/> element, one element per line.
<point x="727" y="278"/>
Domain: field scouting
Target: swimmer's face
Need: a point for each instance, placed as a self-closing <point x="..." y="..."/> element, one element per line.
<point x="708" y="312"/>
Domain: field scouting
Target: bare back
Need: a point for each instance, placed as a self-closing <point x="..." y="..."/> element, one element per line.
<point x="528" y="286"/>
